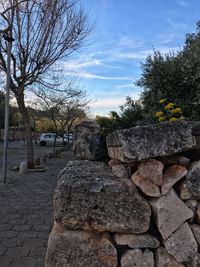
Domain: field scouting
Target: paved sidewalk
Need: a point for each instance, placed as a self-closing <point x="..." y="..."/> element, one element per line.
<point x="26" y="215"/>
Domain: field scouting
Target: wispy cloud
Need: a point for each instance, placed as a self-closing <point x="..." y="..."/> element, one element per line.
<point x="130" y="42"/>
<point x="89" y="75"/>
<point x="141" y="54"/>
<point x="128" y="85"/>
<point x="184" y="3"/>
<point x="112" y="102"/>
<point x="78" y="64"/>
<point x="105" y="103"/>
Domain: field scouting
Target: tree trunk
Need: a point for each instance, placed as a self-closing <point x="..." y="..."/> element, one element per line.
<point x="27" y="124"/>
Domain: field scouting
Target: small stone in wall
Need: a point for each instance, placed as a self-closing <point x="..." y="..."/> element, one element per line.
<point x="183" y="246"/>
<point x="137" y="258"/>
<point x="170" y="212"/>
<point x="172" y="175"/>
<point x="146" y="185"/>
<point x="136" y="241"/>
<point x="164" y="259"/>
<point x="196" y="232"/>
<point x="114" y="162"/>
<point x="152" y="169"/>
<point x="198" y="213"/>
<point x="175" y="160"/>
<point x="121" y="171"/>
<point x="192" y="204"/>
<point x="79" y="248"/>
<point x="191" y="186"/>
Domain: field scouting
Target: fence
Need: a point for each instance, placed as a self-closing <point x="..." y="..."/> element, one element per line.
<point x="13" y="134"/>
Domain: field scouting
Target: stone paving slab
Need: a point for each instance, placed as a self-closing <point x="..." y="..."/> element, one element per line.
<point x="26" y="214"/>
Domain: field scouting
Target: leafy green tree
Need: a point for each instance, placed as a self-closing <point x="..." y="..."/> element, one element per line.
<point x="131" y="113"/>
<point x="175" y="77"/>
<point x="109" y="123"/>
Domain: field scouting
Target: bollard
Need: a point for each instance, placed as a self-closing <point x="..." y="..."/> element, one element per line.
<point x="50" y="156"/>
<point x="44" y="158"/>
<point x="23" y="167"/>
<point x="37" y="161"/>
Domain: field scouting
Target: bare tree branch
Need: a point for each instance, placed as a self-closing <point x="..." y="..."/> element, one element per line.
<point x="43" y="32"/>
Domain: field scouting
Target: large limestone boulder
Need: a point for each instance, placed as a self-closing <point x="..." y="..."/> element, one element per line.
<point x="79" y="248"/>
<point x="170" y="212"/>
<point x="143" y="142"/>
<point x="88" y="196"/>
<point x="86" y="140"/>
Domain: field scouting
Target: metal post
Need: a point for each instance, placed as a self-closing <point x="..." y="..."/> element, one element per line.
<point x="9" y="47"/>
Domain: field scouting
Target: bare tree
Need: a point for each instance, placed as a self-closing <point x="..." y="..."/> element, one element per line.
<point x="63" y="106"/>
<point x="43" y="32"/>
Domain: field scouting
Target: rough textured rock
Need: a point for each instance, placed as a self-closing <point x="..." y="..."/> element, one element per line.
<point x="121" y="171"/>
<point x="196" y="133"/>
<point x="191" y="187"/>
<point x="196" y="232"/>
<point x="183" y="246"/>
<point x="192" y="204"/>
<point x="164" y="259"/>
<point x="175" y="160"/>
<point x="172" y="175"/>
<point x="146" y="185"/>
<point x="114" y="162"/>
<point x="86" y="140"/>
<point x="136" y="241"/>
<point x="198" y="213"/>
<point x="137" y="258"/>
<point x="79" y="248"/>
<point x="144" y="142"/>
<point x="152" y="169"/>
<point x="88" y="196"/>
<point x="170" y="212"/>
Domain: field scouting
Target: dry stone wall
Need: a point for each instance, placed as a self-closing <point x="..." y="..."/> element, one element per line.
<point x="86" y="140"/>
<point x="141" y="210"/>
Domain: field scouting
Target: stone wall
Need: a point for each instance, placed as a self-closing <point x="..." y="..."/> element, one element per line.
<point x="86" y="140"/>
<point x="141" y="210"/>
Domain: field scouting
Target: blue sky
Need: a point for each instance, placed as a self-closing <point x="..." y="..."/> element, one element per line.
<point x="125" y="33"/>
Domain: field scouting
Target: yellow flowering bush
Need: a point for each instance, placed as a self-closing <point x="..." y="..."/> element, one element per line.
<point x="162" y="100"/>
<point x="168" y="111"/>
<point x="159" y="114"/>
<point x="161" y="119"/>
<point x="169" y="106"/>
<point x="173" y="119"/>
<point x="176" y="110"/>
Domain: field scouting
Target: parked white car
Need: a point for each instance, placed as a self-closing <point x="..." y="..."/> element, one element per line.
<point x="68" y="138"/>
<point x="49" y="138"/>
